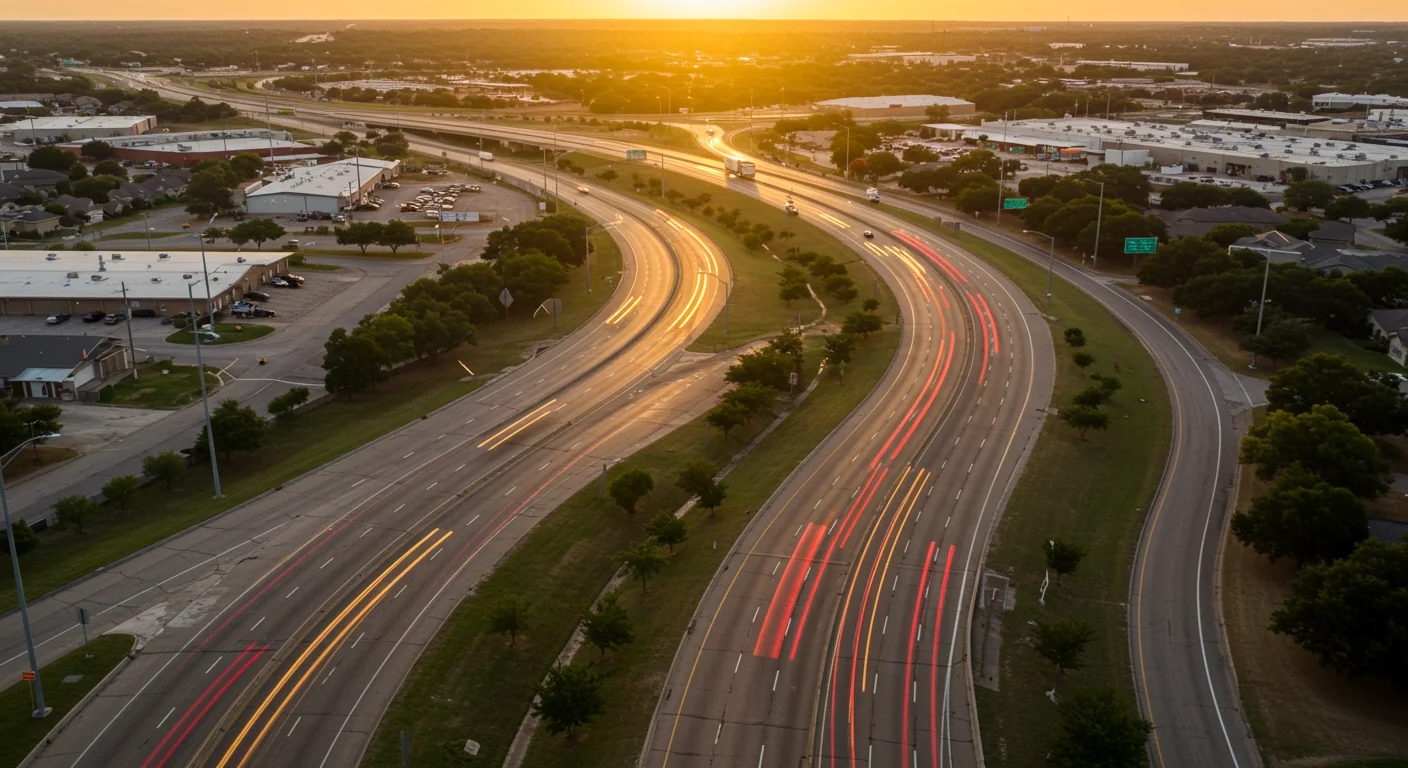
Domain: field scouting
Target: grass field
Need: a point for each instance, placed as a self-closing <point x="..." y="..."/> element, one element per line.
<point x="754" y="309"/>
<point x="160" y="385"/>
<point x="229" y="333"/>
<point x="20" y="733"/>
<point x="470" y="680"/>
<point x="1094" y="493"/>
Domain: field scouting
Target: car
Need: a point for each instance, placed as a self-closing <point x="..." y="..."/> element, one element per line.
<point x="256" y="296"/>
<point x="279" y="282"/>
<point x="94" y="316"/>
<point x="427" y="191"/>
<point x="292" y="278"/>
<point x="868" y="235"/>
<point x="474" y="188"/>
<point x="114" y="318"/>
<point x="391" y="185"/>
<point x="791" y="210"/>
<point x="61" y="317"/>
<point x="339" y="219"/>
<point x="432" y="213"/>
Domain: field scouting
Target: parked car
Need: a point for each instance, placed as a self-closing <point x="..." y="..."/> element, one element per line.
<point x="474" y="188"/>
<point x="256" y="296"/>
<point x="339" y="219"/>
<point x="62" y="317"/>
<point x="94" y="316"/>
<point x="292" y="278"/>
<point x="391" y="185"/>
<point x="279" y="282"/>
<point x="114" y="318"/>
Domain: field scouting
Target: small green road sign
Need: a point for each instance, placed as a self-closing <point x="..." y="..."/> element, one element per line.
<point x="1141" y="244"/>
<point x="635" y="154"/>
<point x="1014" y="203"/>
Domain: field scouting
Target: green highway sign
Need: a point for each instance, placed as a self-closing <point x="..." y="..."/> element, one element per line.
<point x="635" y="154"/>
<point x="1014" y="203"/>
<point x="1141" y="244"/>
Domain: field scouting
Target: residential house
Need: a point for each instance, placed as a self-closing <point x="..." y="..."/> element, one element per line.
<point x="59" y="367"/>
<point x="31" y="221"/>
<point x="80" y="208"/>
<point x="10" y="192"/>
<point x="1391" y="324"/>
<point x="1327" y="257"/>
<point x="1196" y="222"/>
<point x="33" y="178"/>
<point x="1333" y="232"/>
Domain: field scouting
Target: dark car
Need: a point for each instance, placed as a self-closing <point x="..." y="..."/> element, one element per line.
<point x="94" y="316"/>
<point x="61" y="317"/>
<point x="292" y="278"/>
<point x="256" y="296"/>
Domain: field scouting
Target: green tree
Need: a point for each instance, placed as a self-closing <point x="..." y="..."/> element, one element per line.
<point x="1224" y="235"/>
<point x="237" y="428"/>
<point x="531" y="277"/>
<point x="1083" y="360"/>
<point x="1082" y="418"/>
<point x="110" y="168"/>
<point x="608" y="175"/>
<point x="1248" y="197"/>
<point x="1313" y="193"/>
<point x="247" y="165"/>
<point x="1304" y="518"/>
<point x="1282" y="338"/>
<point x="1323" y="442"/>
<point x="870" y="305"/>
<point x="726" y="416"/>
<point x="73" y="510"/>
<point x="977" y="199"/>
<point x="792" y="285"/>
<point x="768" y="367"/>
<point x="97" y="149"/>
<point x="51" y="158"/>
<point x="607" y="626"/>
<point x="1372" y="403"/>
<point x="508" y="617"/>
<point x="1063" y="557"/>
<point x="1075" y="337"/>
<point x="284" y="405"/>
<point x="1350" y="612"/>
<point x="352" y="361"/>
<point x="569" y="698"/>
<point x="630" y="487"/>
<point x="1090" y="397"/>
<point x="395" y="234"/>
<point x="165" y="466"/>
<point x="1062" y="642"/>
<point x="1182" y="260"/>
<point x="25" y="538"/>
<point x="697" y="479"/>
<point x="209" y="192"/>
<point x="641" y="560"/>
<point x="862" y="324"/>
<point x="362" y="234"/>
<point x="879" y="164"/>
<point x="257" y="231"/>
<point x="839" y="348"/>
<point x="1100" y="729"/>
<point x="121" y="490"/>
<point x="667" y="530"/>
<point x="1347" y="207"/>
<point x="1387" y="287"/>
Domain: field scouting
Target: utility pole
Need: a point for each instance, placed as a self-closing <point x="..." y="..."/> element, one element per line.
<point x="132" y="345"/>
<point x="204" y="398"/>
<point x="1099" y="214"/>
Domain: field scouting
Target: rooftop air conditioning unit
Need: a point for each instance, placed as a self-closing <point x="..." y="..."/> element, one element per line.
<point x="52" y="257"/>
<point x="163" y="257"/>
<point x="239" y="260"/>
<point x="72" y="275"/>
<point x="156" y="279"/>
<point x="186" y="277"/>
<point x="117" y="257"/>
<point x="96" y="278"/>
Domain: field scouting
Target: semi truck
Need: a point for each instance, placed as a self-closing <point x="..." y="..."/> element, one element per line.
<point x="739" y="167"/>
<point x="873" y="195"/>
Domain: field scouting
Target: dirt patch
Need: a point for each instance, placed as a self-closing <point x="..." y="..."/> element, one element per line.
<point x="1301" y="714"/>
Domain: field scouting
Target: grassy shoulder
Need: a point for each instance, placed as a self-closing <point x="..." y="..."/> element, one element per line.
<point x="1299" y="712"/>
<point x="1093" y="492"/>
<point x="19" y="732"/>
<point x="470" y="681"/>
<point x="160" y="385"/>
<point x="754" y="309"/>
<point x="229" y="333"/>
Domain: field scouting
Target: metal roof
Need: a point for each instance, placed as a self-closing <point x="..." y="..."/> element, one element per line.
<point x="72" y="122"/>
<point x="884" y="102"/>
<point x="76" y="275"/>
<point x="21" y="353"/>
<point x="328" y="180"/>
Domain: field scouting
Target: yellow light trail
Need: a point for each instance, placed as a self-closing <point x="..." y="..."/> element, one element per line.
<point x="695" y="298"/>
<point x="465" y="367"/>
<point x="317" y="664"/>
<point x="861" y="557"/>
<point x="319" y="639"/>
<point x="623" y="310"/>
<point x="875" y="249"/>
<point x="910" y="499"/>
<point x="515" y="432"/>
<point x="833" y="219"/>
<point x="495" y="436"/>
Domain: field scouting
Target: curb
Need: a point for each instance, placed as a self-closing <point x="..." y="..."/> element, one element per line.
<point x="78" y="707"/>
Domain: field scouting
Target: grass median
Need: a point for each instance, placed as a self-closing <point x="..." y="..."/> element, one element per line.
<point x="229" y="333"/>
<point x="470" y="684"/>
<point x="160" y="385"/>
<point x="20" y="733"/>
<point x="1093" y="492"/>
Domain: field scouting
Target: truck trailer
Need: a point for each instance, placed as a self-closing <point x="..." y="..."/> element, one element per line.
<point x="739" y="167"/>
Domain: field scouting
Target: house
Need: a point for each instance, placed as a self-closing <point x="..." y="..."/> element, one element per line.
<point x="1196" y="222"/>
<point x="31" y="221"/>
<point x="10" y="192"/>
<point x="1335" y="232"/>
<point x="1391" y="324"/>
<point x="33" y="178"/>
<point x="1326" y="257"/>
<point x="58" y="367"/>
<point x="76" y="206"/>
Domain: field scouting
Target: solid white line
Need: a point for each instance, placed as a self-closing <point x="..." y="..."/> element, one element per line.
<point x="358" y="640"/>
<point x="364" y="533"/>
<point x="511" y="490"/>
<point x="736" y="663"/>
<point x="459" y="467"/>
<point x="775" y="677"/>
<point x="409" y="455"/>
<point x="762" y="752"/>
<point x="399" y="591"/>
<point x="359" y="482"/>
<point x="716" y="733"/>
<point x="472" y="519"/>
<point x="398" y="509"/>
<point x="163" y="720"/>
<point x="755" y="614"/>
<point x="775" y="566"/>
<point x="437" y="554"/>
<point x="545" y="466"/>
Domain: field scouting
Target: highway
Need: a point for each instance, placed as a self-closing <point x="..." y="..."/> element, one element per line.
<point x="300" y="611"/>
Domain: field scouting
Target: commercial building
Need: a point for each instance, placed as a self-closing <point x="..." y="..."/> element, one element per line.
<point x="185" y="149"/>
<point x="328" y="188"/>
<point x="1140" y="66"/>
<point x="1343" y="101"/>
<point x="1245" y="152"/>
<point x="72" y="127"/>
<point x="1262" y="117"/>
<point x="60" y="367"/>
<point x="897" y="106"/>
<point x="912" y="57"/>
<point x="78" y="282"/>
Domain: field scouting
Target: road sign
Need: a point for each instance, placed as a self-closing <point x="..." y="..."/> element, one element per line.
<point x="27" y="676"/>
<point x="635" y="154"/>
<point x="505" y="298"/>
<point x="1014" y="203"/>
<point x="1141" y="244"/>
<point x="461" y="216"/>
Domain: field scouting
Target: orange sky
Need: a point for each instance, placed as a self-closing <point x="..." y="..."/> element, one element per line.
<point x="1008" y="10"/>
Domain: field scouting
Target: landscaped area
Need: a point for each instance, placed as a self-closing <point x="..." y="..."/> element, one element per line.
<point x="160" y="385"/>
<point x="228" y="333"/>
<point x="19" y="732"/>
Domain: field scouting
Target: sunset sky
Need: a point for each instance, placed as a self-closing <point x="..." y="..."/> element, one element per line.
<point x="1010" y="10"/>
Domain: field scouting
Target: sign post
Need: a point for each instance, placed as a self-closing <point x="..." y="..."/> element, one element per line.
<point x="83" y="620"/>
<point x="1138" y="245"/>
<point x="506" y="299"/>
<point x="635" y="154"/>
<point x="1014" y="203"/>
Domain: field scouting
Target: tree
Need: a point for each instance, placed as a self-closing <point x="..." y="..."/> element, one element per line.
<point x="1246" y="196"/>
<point x="1100" y="729"/>
<point x="862" y="324"/>
<point x="870" y="305"/>
<point x="697" y="479"/>
<point x="395" y="234"/>
<point x="531" y="277"/>
<point x="110" y="168"/>
<point x="1386" y="288"/>
<point x="792" y="285"/>
<point x="879" y="164"/>
<point x="1062" y="642"/>
<point x="256" y="230"/>
<point x="1282" y="338"/>
<point x="1075" y="337"/>
<point x="165" y="466"/>
<point x="641" y="560"/>
<point x="1350" y="612"/>
<point x="284" y="405"/>
<point x="73" y="510"/>
<point x="768" y="367"/>
<point x="1347" y="207"/>
<point x="51" y="159"/>
<point x="607" y="626"/>
<point x="1372" y="404"/>
<point x="1397" y="229"/>
<point x="977" y="199"/>
<point x="25" y="538"/>
<point x="208" y="192"/>
<point x="352" y="361"/>
<point x="630" y="487"/>
<point x="608" y="175"/>
<point x="1189" y="194"/>
<point x="1224" y="235"/>
<point x="727" y="415"/>
<point x="1083" y="360"/>
<point x="568" y="698"/>
<point x="667" y="530"/>
<point x="1304" y="518"/>
<point x="1313" y="193"/>
<point x="247" y="165"/>
<point x="1082" y="418"/>
<point x="1090" y="397"/>
<point x="97" y="149"/>
<point x="839" y="348"/>
<point x="237" y="428"/>
<point x="842" y="287"/>
<point x="121" y="490"/>
<point x="508" y="617"/>
<point x="211" y="234"/>
<point x="1321" y="441"/>
<point x="362" y="234"/>
<point x="1063" y="557"/>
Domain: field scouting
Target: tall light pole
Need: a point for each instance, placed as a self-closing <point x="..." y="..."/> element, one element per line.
<point x="587" y="241"/>
<point x="39" y="709"/>
<point x="132" y="345"/>
<point x="847" y="169"/>
<point x="1261" y="305"/>
<point x="1050" y="262"/>
<point x="204" y="398"/>
<point x="1100" y="214"/>
<point x="147" y="227"/>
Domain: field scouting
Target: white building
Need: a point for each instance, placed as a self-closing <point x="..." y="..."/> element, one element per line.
<point x="1354" y="100"/>
<point x="326" y="188"/>
<point x="897" y="106"/>
<point x="72" y="127"/>
<point x="1141" y="66"/>
<point x="913" y="57"/>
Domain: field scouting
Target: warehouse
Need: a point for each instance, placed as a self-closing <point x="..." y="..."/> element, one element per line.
<point x="897" y="106"/>
<point x="79" y="282"/>
<point x="1245" y="152"/>
<point x="1347" y="101"/>
<point x="184" y="149"/>
<point x="1262" y="117"/>
<point x="73" y="127"/>
<point x="328" y="188"/>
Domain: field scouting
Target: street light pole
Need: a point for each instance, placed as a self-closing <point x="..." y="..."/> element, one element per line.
<point x="204" y="398"/>
<point x="847" y="169"/>
<point x="1100" y="214"/>
<point x="1050" y="262"/>
<point x="728" y="289"/>
<point x="132" y="345"/>
<point x="1261" y="306"/>
<point x="39" y="709"/>
<point x="147" y="225"/>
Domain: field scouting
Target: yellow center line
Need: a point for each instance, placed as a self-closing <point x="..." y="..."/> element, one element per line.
<point x="319" y="639"/>
<point x="910" y="500"/>
<point x="495" y="436"/>
<point x="510" y="435"/>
